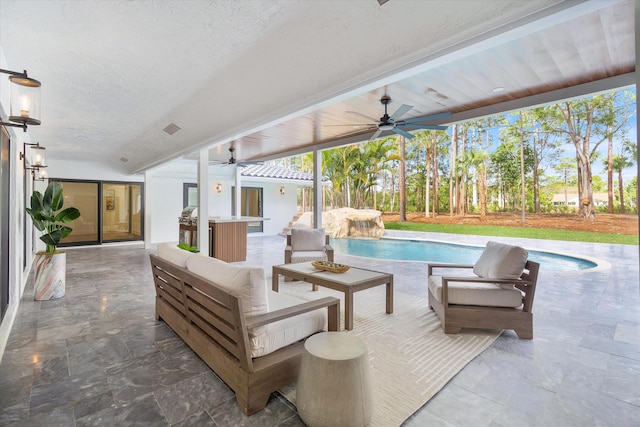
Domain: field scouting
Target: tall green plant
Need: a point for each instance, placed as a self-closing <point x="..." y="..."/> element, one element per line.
<point x="48" y="217"/>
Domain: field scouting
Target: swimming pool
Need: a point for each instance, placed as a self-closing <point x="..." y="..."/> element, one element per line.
<point x="422" y="250"/>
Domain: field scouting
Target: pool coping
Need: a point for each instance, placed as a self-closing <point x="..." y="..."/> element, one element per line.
<point x="601" y="265"/>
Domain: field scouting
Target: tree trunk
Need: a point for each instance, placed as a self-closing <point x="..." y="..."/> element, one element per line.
<point x="452" y="168"/>
<point x="522" y="184"/>
<point x="621" y="190"/>
<point x="536" y="178"/>
<point x="436" y="177"/>
<point x="427" y="194"/>
<point x="610" y="172"/>
<point x="586" y="210"/>
<point x="401" y="177"/>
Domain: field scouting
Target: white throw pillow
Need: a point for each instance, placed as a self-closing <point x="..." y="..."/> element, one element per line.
<point x="303" y="239"/>
<point x="501" y="261"/>
<point x="248" y="283"/>
<point x="172" y="253"/>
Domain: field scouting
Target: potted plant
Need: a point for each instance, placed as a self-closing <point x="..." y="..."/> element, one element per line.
<point x="48" y="216"/>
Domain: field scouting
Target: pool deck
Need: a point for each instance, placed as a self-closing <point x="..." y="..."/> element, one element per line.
<point x="581" y="368"/>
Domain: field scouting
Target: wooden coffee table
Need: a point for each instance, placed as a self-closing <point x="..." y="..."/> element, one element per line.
<point x="354" y="280"/>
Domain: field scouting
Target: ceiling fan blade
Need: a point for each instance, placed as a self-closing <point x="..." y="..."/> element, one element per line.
<point x="418" y="126"/>
<point x="362" y="115"/>
<point x="401" y="111"/>
<point x="425" y="118"/>
<point x="375" y="135"/>
<point x="403" y="133"/>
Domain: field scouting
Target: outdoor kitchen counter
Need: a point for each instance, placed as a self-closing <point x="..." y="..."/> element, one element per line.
<point x="229" y="237"/>
<point x="215" y="219"/>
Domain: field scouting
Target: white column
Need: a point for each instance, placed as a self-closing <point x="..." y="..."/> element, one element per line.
<point x="203" y="202"/>
<point x="317" y="188"/>
<point x="238" y="184"/>
<point x="147" y="212"/>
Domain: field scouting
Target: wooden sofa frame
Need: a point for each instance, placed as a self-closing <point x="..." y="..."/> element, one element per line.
<point x="288" y="250"/>
<point x="212" y="323"/>
<point x="454" y="317"/>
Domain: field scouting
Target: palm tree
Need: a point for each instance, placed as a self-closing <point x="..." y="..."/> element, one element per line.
<point x="619" y="162"/>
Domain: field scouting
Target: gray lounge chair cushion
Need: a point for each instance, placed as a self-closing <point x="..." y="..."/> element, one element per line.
<point x="303" y="239"/>
<point x="469" y="293"/>
<point x="501" y="261"/>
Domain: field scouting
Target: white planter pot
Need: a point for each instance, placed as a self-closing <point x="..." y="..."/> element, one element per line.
<point x="50" y="275"/>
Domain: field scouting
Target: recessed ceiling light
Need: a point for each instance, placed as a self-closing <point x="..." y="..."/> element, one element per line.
<point x="497" y="89"/>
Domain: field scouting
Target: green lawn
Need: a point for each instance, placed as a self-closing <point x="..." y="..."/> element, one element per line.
<point x="530" y="233"/>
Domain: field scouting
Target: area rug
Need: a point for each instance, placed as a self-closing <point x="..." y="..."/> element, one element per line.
<point x="411" y="357"/>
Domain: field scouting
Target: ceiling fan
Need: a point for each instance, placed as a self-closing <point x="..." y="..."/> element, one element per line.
<point x="241" y="163"/>
<point x="392" y="123"/>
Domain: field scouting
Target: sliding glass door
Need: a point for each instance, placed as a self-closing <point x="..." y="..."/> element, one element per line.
<point x="121" y="212"/>
<point x="250" y="205"/>
<point x="109" y="211"/>
<point x="82" y="195"/>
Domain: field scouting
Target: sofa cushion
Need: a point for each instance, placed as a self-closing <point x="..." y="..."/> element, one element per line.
<point x="306" y="239"/>
<point x="285" y="332"/>
<point x="501" y="261"/>
<point x="245" y="282"/>
<point x="304" y="256"/>
<point x="172" y="253"/>
<point x="470" y="293"/>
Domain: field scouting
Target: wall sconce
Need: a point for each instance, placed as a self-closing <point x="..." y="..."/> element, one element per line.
<point x="24" y="108"/>
<point x="219" y="188"/>
<point x="37" y="162"/>
<point x="42" y="175"/>
<point x="282" y="190"/>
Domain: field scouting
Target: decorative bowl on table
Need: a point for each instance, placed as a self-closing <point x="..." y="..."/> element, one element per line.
<point x="333" y="267"/>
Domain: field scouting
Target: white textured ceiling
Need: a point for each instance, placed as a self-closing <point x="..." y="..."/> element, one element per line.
<point x="115" y="73"/>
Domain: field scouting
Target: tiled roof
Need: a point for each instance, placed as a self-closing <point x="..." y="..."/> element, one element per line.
<point x="270" y="171"/>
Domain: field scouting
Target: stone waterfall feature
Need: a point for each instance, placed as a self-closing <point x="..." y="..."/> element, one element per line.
<point x="347" y="223"/>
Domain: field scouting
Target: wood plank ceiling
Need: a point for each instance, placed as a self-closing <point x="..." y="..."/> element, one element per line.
<point x="591" y="48"/>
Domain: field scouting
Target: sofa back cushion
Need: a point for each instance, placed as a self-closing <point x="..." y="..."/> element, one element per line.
<point x="501" y="261"/>
<point x="306" y="239"/>
<point x="172" y="253"/>
<point x="245" y="282"/>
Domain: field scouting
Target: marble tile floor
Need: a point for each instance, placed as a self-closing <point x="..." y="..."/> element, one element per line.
<point x="97" y="357"/>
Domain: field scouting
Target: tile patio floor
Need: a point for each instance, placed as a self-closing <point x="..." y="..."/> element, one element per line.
<point x="97" y="357"/>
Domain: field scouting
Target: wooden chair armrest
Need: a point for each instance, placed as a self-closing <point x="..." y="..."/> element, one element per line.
<point x="329" y="250"/>
<point x="288" y="250"/>
<point x="332" y="304"/>
<point x="431" y="266"/>
<point x="476" y="279"/>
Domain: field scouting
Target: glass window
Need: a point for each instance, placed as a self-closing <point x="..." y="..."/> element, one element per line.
<point x="84" y="197"/>
<point x="121" y="212"/>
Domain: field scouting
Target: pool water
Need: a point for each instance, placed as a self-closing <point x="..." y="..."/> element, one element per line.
<point x="421" y="250"/>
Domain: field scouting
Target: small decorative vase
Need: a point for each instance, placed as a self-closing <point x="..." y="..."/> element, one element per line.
<point x="50" y="275"/>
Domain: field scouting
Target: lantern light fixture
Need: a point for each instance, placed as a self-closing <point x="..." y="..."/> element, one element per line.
<point x="282" y="190"/>
<point x="36" y="162"/>
<point x="219" y="188"/>
<point x="41" y="175"/>
<point x="24" y="108"/>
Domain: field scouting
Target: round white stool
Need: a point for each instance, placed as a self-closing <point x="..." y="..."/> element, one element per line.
<point x="334" y="385"/>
